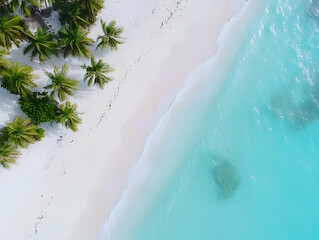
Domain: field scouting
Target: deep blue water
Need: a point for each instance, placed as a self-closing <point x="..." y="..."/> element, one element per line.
<point x="246" y="162"/>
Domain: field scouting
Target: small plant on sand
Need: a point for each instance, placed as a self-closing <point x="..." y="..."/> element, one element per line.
<point x="68" y="116"/>
<point x="111" y="37"/>
<point x="96" y="73"/>
<point x="61" y="84"/>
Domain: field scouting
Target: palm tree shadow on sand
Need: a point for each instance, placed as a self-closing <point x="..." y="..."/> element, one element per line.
<point x="9" y="104"/>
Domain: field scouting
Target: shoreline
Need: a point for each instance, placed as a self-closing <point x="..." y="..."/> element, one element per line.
<point x="76" y="188"/>
<point x="194" y="85"/>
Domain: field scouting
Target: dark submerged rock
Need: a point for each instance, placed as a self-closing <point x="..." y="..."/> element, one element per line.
<point x="226" y="178"/>
<point x="298" y="114"/>
<point x="314" y="9"/>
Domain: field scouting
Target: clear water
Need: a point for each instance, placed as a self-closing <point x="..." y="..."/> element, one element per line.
<point x="246" y="160"/>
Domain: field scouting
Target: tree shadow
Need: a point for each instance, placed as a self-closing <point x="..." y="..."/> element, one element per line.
<point x="53" y="129"/>
<point x="98" y="53"/>
<point x="84" y="90"/>
<point x="16" y="55"/>
<point x="9" y="106"/>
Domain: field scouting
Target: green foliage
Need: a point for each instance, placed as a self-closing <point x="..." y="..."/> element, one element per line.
<point x="20" y="132"/>
<point x="71" y="13"/>
<point x="76" y="17"/>
<point x="78" y="12"/>
<point x="18" y="79"/>
<point x="68" y="116"/>
<point x="39" y="107"/>
<point x="11" y="31"/>
<point x="74" y="41"/>
<point x="91" y="8"/>
<point x="95" y="74"/>
<point x="24" y="6"/>
<point x="5" y="8"/>
<point x="8" y="154"/>
<point x="4" y="64"/>
<point x="111" y="36"/>
<point x="41" y="44"/>
<point x="61" y="84"/>
<point x="41" y="134"/>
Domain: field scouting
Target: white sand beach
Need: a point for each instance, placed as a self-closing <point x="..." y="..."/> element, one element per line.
<point x="66" y="186"/>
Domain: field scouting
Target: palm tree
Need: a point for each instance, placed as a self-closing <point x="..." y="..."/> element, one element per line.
<point x="24" y="6"/>
<point x="74" y="41"/>
<point x="11" y="31"/>
<point x="41" y="44"/>
<point x="21" y="132"/>
<point x="4" y="64"/>
<point x="92" y="6"/>
<point x="68" y="116"/>
<point x="111" y="36"/>
<point x="18" y="79"/>
<point x="61" y="85"/>
<point x="72" y="13"/>
<point x="96" y="73"/>
<point x="8" y="154"/>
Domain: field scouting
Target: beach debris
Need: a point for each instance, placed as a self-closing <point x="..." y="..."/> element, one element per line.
<point x="226" y="178"/>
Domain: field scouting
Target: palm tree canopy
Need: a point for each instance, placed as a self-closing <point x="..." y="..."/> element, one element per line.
<point x="95" y="74"/>
<point x="72" y="13"/>
<point x="68" y="116"/>
<point x="3" y="62"/>
<point x="11" y="31"/>
<point x="8" y="154"/>
<point x="18" y="79"/>
<point x="24" y="6"/>
<point x="111" y="36"/>
<point x="21" y="132"/>
<point x="92" y="6"/>
<point x="61" y="84"/>
<point x="74" y="41"/>
<point x="41" y="44"/>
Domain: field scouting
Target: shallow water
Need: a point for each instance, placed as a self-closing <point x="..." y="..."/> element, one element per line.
<point x="245" y="161"/>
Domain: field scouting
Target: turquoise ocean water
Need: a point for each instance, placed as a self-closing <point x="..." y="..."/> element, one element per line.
<point x="242" y="164"/>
